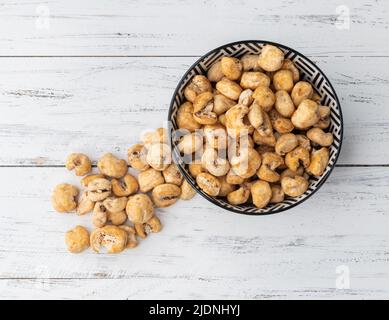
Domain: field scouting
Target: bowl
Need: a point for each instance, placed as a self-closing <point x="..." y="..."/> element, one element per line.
<point x="308" y="72"/>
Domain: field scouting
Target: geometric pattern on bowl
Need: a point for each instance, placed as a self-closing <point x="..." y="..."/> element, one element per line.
<point x="308" y="72"/>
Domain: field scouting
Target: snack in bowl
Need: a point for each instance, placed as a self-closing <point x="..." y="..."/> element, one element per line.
<point x="273" y="110"/>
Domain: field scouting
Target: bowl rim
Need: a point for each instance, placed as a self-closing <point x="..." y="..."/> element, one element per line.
<point x="211" y="199"/>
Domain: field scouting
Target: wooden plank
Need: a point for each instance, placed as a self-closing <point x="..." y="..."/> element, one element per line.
<point x="149" y="288"/>
<point x="53" y="106"/>
<point x="203" y="251"/>
<point x="189" y="27"/>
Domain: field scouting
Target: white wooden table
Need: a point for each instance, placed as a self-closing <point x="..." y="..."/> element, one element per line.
<point x="91" y="75"/>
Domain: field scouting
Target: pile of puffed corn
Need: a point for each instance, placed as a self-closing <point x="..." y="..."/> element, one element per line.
<point x="120" y="214"/>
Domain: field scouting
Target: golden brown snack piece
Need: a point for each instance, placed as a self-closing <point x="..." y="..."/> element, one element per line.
<point x="114" y="204"/>
<point x="172" y="175"/>
<point x="233" y="178"/>
<point x="203" y="109"/>
<point x="294" y="187"/>
<point x="320" y="137"/>
<point x="225" y="187"/>
<point x="100" y="215"/>
<point x="279" y="123"/>
<point x="165" y="195"/>
<point x="63" y="197"/>
<point x="111" y="166"/>
<point x="265" y="97"/>
<point x="137" y="157"/>
<point x="229" y="88"/>
<point x="187" y="192"/>
<point x="250" y="62"/>
<point x="325" y="120"/>
<point x="297" y="156"/>
<point x="117" y="218"/>
<point x="304" y="141"/>
<point x="85" y="180"/>
<point x="291" y="174"/>
<point x="283" y="80"/>
<point x="221" y="104"/>
<point x="237" y="145"/>
<point x="289" y="65"/>
<point x="306" y="115"/>
<point x="261" y="193"/>
<point x="319" y="161"/>
<point x="278" y="194"/>
<point x="84" y="205"/>
<point x="283" y="125"/>
<point x="231" y="67"/>
<point x="246" y="97"/>
<point x="257" y="118"/>
<point x="271" y="58"/>
<point x="149" y="179"/>
<point x="132" y="242"/>
<point x="195" y="169"/>
<point x="159" y="156"/>
<point x="112" y="238"/>
<point x="185" y="119"/>
<point x="264" y="148"/>
<point x="214" y="164"/>
<point x="235" y="121"/>
<point x="215" y="73"/>
<point x="286" y="143"/>
<point x="77" y="239"/>
<point x="246" y="163"/>
<point x="124" y="187"/>
<point x="208" y="183"/>
<point x="215" y="136"/>
<point x="199" y="84"/>
<point x="99" y="189"/>
<point x="157" y="136"/>
<point x="260" y="139"/>
<point x="190" y="143"/>
<point x="270" y="162"/>
<point x="265" y="129"/>
<point x="80" y="163"/>
<point x="302" y="90"/>
<point x="152" y="225"/>
<point x="284" y="104"/>
<point x="139" y="208"/>
<point x="252" y="80"/>
<point x="240" y="195"/>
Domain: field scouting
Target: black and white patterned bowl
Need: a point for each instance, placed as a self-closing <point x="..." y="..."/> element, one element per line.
<point x="308" y="72"/>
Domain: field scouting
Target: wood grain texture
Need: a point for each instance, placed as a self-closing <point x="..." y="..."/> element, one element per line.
<point x="54" y="106"/>
<point x="151" y="27"/>
<point x="177" y="288"/>
<point x="203" y="251"/>
<point x="92" y="76"/>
